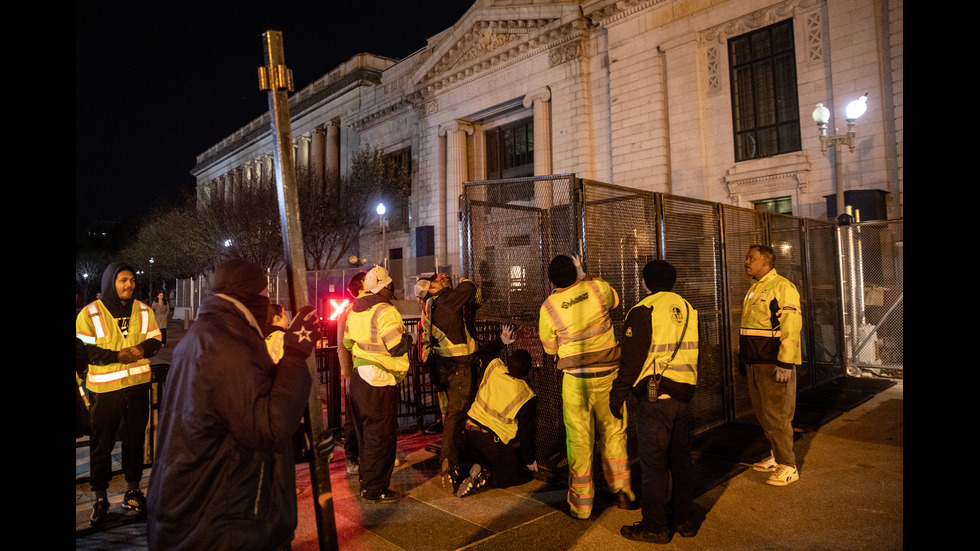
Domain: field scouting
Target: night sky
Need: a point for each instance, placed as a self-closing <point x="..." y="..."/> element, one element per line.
<point x="157" y="83"/>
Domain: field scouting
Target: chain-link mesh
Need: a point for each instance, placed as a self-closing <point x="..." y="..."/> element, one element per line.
<point x="513" y="228"/>
<point x="873" y="294"/>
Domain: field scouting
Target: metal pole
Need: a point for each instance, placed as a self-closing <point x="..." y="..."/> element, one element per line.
<point x="277" y="79"/>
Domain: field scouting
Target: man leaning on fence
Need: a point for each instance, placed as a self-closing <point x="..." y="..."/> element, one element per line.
<point x="769" y="351"/>
<point x="575" y="325"/>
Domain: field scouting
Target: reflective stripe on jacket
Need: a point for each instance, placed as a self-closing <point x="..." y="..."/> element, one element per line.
<point x="499" y="399"/>
<point x="370" y="334"/>
<point x="96" y="326"/>
<point x="443" y="346"/>
<point x="771" y="322"/>
<point x="574" y="323"/>
<point x="669" y="313"/>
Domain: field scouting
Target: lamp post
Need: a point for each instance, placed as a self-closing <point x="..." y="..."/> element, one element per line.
<point x="383" y="220"/>
<point x="821" y="116"/>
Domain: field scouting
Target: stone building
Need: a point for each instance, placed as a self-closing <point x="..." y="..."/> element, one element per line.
<point x="709" y="99"/>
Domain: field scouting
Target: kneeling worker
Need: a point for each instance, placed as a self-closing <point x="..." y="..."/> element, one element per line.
<point x="498" y="440"/>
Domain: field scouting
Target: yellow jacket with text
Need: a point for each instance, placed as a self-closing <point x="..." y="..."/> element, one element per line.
<point x="574" y="323"/>
<point x="771" y="323"/>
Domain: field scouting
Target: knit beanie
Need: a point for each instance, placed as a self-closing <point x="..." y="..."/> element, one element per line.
<point x="519" y="364"/>
<point x="659" y="275"/>
<point x="562" y="272"/>
<point x="243" y="281"/>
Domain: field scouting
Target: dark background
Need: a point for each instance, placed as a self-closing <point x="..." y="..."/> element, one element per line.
<point x="158" y="83"/>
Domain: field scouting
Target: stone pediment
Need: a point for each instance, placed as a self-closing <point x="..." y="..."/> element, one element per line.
<point x="490" y="37"/>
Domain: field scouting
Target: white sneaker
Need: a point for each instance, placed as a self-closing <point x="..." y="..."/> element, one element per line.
<point x="783" y="475"/>
<point x="767" y="465"/>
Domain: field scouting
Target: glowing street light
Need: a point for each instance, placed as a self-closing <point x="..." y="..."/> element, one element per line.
<point x="821" y="116"/>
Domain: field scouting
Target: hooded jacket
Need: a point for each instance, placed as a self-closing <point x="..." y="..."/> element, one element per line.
<point x="224" y="476"/>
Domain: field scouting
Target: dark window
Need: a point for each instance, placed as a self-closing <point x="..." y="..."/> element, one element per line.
<point x="780" y="205"/>
<point x="399" y="165"/>
<point x="510" y="154"/>
<point x="765" y="110"/>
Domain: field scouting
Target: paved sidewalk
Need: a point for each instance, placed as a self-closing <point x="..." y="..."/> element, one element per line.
<point x="849" y="496"/>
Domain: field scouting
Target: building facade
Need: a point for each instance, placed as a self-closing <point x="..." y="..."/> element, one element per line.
<point x="708" y="99"/>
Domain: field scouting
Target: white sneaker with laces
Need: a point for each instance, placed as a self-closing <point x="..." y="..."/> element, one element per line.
<point x="783" y="475"/>
<point x="767" y="465"/>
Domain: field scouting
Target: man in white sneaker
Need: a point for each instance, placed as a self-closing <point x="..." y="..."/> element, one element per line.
<point x="769" y="351"/>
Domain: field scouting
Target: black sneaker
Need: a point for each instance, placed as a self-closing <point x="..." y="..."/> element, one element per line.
<point x="134" y="500"/>
<point x="479" y="478"/>
<point x="451" y="477"/>
<point x="687" y="529"/>
<point x="100" y="512"/>
<point x="381" y="496"/>
<point x="639" y="533"/>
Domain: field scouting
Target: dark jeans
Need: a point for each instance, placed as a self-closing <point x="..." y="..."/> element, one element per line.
<point x="350" y="435"/>
<point x="663" y="434"/>
<point x="375" y="416"/>
<point x="462" y="389"/>
<point x="122" y="413"/>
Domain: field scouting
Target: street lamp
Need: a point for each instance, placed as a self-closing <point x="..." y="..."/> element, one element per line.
<point x="383" y="220"/>
<point x="821" y="116"/>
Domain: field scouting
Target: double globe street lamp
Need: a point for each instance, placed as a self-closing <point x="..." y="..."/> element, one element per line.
<point x="821" y="116"/>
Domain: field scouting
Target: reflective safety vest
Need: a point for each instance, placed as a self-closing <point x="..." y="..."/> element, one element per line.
<point x="574" y="323"/>
<point x="669" y="313"/>
<point x="371" y="333"/>
<point x="274" y="344"/>
<point x="443" y="346"/>
<point x="499" y="399"/>
<point x="771" y="322"/>
<point x="96" y="326"/>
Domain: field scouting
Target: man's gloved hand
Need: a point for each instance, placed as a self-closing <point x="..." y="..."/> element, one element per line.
<point x="617" y="397"/>
<point x="131" y="354"/>
<point x="302" y="334"/>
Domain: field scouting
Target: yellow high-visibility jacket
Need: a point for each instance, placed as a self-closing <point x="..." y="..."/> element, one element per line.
<point x="96" y="326"/>
<point x="669" y="313"/>
<point x="499" y="399"/>
<point x="375" y="335"/>
<point x="771" y="323"/>
<point x="574" y="323"/>
<point x="453" y="338"/>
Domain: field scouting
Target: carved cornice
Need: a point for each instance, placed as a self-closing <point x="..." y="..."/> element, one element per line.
<point x="758" y="19"/>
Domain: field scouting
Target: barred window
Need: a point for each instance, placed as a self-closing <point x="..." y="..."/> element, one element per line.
<point x="510" y="154"/>
<point x="765" y="107"/>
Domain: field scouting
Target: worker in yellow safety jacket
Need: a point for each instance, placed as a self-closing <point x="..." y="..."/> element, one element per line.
<point x="119" y="335"/>
<point x="659" y="366"/>
<point x="449" y="343"/>
<point x="498" y="447"/>
<point x="769" y="351"/>
<point x="575" y="325"/>
<point x="375" y="335"/>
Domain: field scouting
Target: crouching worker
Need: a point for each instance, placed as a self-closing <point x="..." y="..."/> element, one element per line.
<point x="498" y="440"/>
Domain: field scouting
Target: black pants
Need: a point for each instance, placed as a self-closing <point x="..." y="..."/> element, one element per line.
<point x="459" y="396"/>
<point x="375" y="410"/>
<point x="125" y="413"/>
<point x="350" y="435"/>
<point x="490" y="453"/>
<point x="663" y="432"/>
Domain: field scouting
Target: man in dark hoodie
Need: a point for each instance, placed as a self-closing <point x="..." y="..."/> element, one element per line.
<point x="375" y="335"/>
<point x="119" y="335"/>
<point x="659" y="364"/>
<point x="225" y="475"/>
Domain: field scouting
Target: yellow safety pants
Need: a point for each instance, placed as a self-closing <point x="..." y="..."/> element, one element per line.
<point x="585" y="407"/>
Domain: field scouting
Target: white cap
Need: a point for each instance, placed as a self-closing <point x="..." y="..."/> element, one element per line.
<point x="376" y="279"/>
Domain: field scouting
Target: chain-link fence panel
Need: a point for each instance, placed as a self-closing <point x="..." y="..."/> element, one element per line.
<point x="873" y="294"/>
<point x="823" y="313"/>
<point x="692" y="244"/>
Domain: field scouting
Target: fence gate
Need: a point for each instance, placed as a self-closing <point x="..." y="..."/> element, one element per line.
<point x="872" y="295"/>
<point x="511" y="229"/>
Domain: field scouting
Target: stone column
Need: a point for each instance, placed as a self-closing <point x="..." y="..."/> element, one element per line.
<point x="332" y="156"/>
<point x="456" y="174"/>
<point x="317" y="157"/>
<point x="540" y="102"/>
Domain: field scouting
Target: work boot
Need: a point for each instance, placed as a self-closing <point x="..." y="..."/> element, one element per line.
<point x="624" y="501"/>
<point x="100" y="512"/>
<point x="381" y="496"/>
<point x="450" y="476"/>
<point x="687" y="529"/>
<point x="636" y="532"/>
<point x="134" y="500"/>
<point x="479" y="478"/>
<point x="352" y="467"/>
<point x="783" y="475"/>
